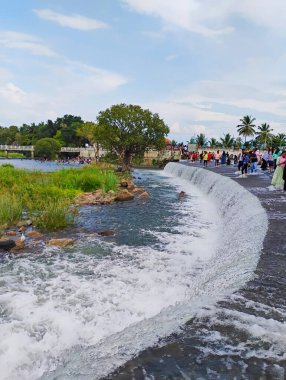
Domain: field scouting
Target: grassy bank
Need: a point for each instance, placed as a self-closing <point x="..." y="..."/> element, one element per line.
<point x="46" y="198"/>
<point x="11" y="155"/>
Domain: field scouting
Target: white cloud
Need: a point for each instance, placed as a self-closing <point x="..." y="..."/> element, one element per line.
<point x="28" y="42"/>
<point x="64" y="87"/>
<point x="74" y="21"/>
<point x="212" y="18"/>
<point x="192" y="15"/>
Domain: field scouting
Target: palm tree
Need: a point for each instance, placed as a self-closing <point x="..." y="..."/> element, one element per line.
<point x="213" y="142"/>
<point x="264" y="134"/>
<point x="246" y="128"/>
<point x="238" y="142"/>
<point x="227" y="141"/>
<point x="280" y="139"/>
<point x="201" y="140"/>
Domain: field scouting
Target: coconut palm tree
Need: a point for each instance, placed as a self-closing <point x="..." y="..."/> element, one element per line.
<point x="227" y="141"/>
<point x="264" y="134"/>
<point x="280" y="139"/>
<point x="213" y="142"/>
<point x="201" y="140"/>
<point x="238" y="142"/>
<point x="246" y="128"/>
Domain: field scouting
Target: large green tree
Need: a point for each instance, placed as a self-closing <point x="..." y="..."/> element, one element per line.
<point x="129" y="130"/>
<point x="246" y="128"/>
<point x="47" y="148"/>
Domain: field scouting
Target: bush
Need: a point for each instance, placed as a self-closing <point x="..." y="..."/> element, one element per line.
<point x="47" y="148"/>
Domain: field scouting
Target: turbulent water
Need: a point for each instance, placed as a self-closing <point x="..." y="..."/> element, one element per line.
<point x="79" y="313"/>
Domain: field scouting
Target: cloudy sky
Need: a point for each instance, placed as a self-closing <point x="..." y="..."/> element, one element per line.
<point x="200" y="64"/>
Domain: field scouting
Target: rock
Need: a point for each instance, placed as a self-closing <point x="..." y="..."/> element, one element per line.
<point x="95" y="198"/>
<point x="7" y="244"/>
<point x="138" y="190"/>
<point x="124" y="195"/>
<point x="130" y="185"/>
<point x="11" y="233"/>
<point x="34" y="234"/>
<point x="22" y="229"/>
<point x="64" y="242"/>
<point x="20" y="245"/>
<point x="24" y="223"/>
<point x="182" y="194"/>
<point x="123" y="183"/>
<point x="144" y="195"/>
<point x="106" y="233"/>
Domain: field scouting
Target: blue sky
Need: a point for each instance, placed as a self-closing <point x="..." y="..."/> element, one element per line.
<point x="200" y="64"/>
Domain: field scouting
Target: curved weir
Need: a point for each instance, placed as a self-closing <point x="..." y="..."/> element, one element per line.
<point x="232" y="264"/>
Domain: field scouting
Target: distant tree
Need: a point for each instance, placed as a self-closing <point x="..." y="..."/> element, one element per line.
<point x="213" y="142"/>
<point x="47" y="148"/>
<point x="227" y="141"/>
<point x="264" y="135"/>
<point x="192" y="141"/>
<point x="129" y="130"/>
<point x="201" y="140"/>
<point x="238" y="142"/>
<point x="246" y="128"/>
<point x="279" y="140"/>
<point x="87" y="131"/>
<point x="68" y="125"/>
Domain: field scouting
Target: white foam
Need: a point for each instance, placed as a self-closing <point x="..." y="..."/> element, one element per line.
<point x="244" y="225"/>
<point x="93" y="315"/>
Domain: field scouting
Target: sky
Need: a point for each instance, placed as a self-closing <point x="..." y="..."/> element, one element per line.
<point x="200" y="64"/>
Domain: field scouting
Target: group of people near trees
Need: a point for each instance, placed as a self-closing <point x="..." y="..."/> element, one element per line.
<point x="247" y="161"/>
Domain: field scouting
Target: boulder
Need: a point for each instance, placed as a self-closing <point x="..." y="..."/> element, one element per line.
<point x="106" y="233"/>
<point x="11" y="233"/>
<point x="24" y="223"/>
<point x="123" y="183"/>
<point x="34" y="234"/>
<point x="20" y="245"/>
<point x="144" y="195"/>
<point x="182" y="194"/>
<point x="123" y="195"/>
<point x="64" y="242"/>
<point x="138" y="190"/>
<point x="95" y="198"/>
<point x="7" y="244"/>
<point x="130" y="186"/>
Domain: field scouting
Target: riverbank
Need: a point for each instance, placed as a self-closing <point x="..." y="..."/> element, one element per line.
<point x="37" y="202"/>
<point x="242" y="337"/>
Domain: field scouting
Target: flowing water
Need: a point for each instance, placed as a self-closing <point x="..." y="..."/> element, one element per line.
<point x="81" y="312"/>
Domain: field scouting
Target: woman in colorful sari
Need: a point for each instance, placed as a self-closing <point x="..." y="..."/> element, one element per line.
<point x="277" y="179"/>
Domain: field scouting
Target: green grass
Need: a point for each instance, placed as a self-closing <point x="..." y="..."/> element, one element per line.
<point x="47" y="196"/>
<point x="11" y="155"/>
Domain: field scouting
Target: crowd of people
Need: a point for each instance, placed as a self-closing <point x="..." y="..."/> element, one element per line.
<point x="248" y="161"/>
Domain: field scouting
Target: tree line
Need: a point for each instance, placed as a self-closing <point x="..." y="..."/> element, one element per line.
<point x="261" y="136"/>
<point x="126" y="131"/>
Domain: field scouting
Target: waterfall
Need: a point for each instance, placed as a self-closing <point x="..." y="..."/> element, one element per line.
<point x="239" y="243"/>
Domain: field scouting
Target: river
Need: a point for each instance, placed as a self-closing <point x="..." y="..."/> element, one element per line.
<point x="56" y="303"/>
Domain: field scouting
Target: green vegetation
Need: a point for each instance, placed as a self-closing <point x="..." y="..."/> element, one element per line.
<point x="129" y="130"/>
<point x="47" y="197"/>
<point x="47" y="148"/>
<point x="11" y="155"/>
